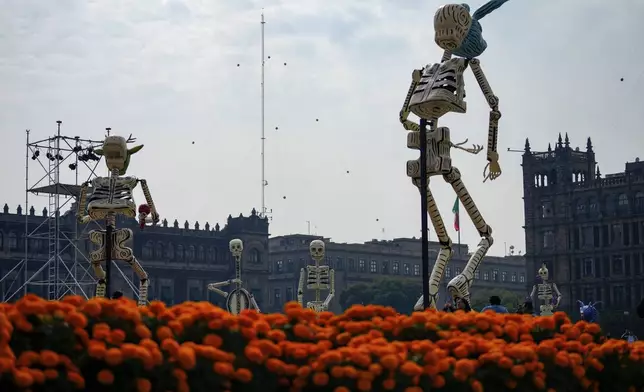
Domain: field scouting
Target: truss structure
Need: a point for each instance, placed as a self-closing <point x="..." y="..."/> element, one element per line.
<point x="65" y="270"/>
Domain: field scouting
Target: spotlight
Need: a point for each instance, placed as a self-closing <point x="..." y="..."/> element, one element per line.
<point x="77" y="149"/>
<point x="37" y="153"/>
<point x="50" y="156"/>
<point x="72" y="166"/>
<point x="59" y="157"/>
<point x="33" y="157"/>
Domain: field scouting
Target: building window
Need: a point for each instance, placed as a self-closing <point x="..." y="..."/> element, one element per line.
<point x="495" y="275"/>
<point x="548" y="239"/>
<point x="504" y="276"/>
<point x="166" y="291"/>
<point x="255" y="257"/>
<point x="339" y="263"/>
<point x="277" y="297"/>
<point x="457" y="271"/>
<point x="169" y="251"/>
<point x="395" y="268"/>
<point x="289" y="294"/>
<point x="148" y="249"/>
<point x="158" y="251"/>
<point x="373" y="266"/>
<point x="622" y="200"/>
<point x="352" y="265"/>
<point x="290" y="266"/>
<point x="587" y="265"/>
<point x="384" y="268"/>
<point x="486" y="275"/>
<point x="406" y="270"/>
<point x="448" y="272"/>
<point x="522" y="278"/>
<point x="546" y="209"/>
<point x="279" y="266"/>
<point x="581" y="208"/>
<point x="194" y="290"/>
<point x="416" y="269"/>
<point x="618" y="296"/>
<point x="617" y="264"/>
<point x="361" y="265"/>
<point x="191" y="253"/>
<point x="179" y="252"/>
<point x="639" y="202"/>
<point x="514" y="277"/>
<point x="477" y="274"/>
<point x="594" y="207"/>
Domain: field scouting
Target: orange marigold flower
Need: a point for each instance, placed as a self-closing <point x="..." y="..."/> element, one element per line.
<point x="113" y="357"/>
<point x="143" y="385"/>
<point x="320" y="379"/>
<point x="22" y="379"/>
<point x="49" y="358"/>
<point x="50" y="374"/>
<point x="105" y="377"/>
<point x="243" y="375"/>
<point x="187" y="357"/>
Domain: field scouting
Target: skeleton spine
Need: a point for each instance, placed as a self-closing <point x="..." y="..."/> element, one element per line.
<point x="238" y="284"/>
<point x="82" y="203"/>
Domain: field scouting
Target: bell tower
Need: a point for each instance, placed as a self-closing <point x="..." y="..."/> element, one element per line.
<point x="549" y="177"/>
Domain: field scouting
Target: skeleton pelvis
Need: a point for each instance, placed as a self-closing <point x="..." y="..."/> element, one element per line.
<point x="99" y="209"/>
<point x="435" y="103"/>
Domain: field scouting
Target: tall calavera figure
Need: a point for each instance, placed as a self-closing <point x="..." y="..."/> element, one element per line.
<point x="239" y="298"/>
<point x="547" y="292"/>
<point x="438" y="89"/>
<point x="317" y="277"/>
<point x="112" y="196"/>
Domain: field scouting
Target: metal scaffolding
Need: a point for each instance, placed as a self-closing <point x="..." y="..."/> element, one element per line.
<point x="65" y="271"/>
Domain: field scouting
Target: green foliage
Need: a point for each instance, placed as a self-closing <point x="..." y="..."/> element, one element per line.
<point x="481" y="298"/>
<point x="398" y="294"/>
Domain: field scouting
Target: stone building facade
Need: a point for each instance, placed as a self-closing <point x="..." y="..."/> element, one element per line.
<point x="366" y="262"/>
<point x="180" y="259"/>
<point x="587" y="228"/>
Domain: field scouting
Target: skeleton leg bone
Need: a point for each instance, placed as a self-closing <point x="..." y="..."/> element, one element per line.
<point x="97" y="237"/>
<point x="143" y="280"/>
<point x="459" y="287"/>
<point x="444" y="255"/>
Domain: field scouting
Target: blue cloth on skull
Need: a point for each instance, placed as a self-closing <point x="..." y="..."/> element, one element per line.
<point x="589" y="312"/>
<point x="474" y="44"/>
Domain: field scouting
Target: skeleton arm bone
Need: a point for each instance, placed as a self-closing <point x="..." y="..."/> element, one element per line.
<point x="534" y="290"/>
<point x="492" y="171"/>
<point x="476" y="148"/>
<point x="253" y="304"/>
<point x="404" y="112"/>
<point x="148" y="199"/>
<point x="419" y="304"/>
<point x="82" y="204"/>
<point x="329" y="298"/>
<point x="555" y="289"/>
<point x="300" y="287"/>
<point x="215" y="287"/>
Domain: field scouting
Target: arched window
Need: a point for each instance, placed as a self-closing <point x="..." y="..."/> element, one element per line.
<point x="169" y="251"/>
<point x="179" y="252"/>
<point x="158" y="251"/>
<point x="148" y="250"/>
<point x="255" y="256"/>
<point x="13" y="241"/>
<point x="201" y="254"/>
<point x="639" y="201"/>
<point x="622" y="200"/>
<point x="191" y="253"/>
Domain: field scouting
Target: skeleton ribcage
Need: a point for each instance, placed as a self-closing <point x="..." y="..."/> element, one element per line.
<point x="317" y="277"/>
<point x="441" y="90"/>
<point x="122" y="189"/>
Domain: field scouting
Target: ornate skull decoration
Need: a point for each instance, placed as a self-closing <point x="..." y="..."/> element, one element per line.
<point x="543" y="273"/>
<point x="117" y="155"/>
<point x="452" y="22"/>
<point x="317" y="250"/>
<point x="236" y="247"/>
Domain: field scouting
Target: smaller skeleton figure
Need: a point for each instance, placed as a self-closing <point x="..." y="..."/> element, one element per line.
<point x="318" y="277"/>
<point x="112" y="196"/>
<point x="629" y="336"/>
<point x="239" y="298"/>
<point x="547" y="293"/>
<point x="589" y="312"/>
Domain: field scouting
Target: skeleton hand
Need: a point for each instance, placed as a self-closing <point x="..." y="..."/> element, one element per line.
<point x="155" y="217"/>
<point x="476" y="148"/>
<point x="492" y="170"/>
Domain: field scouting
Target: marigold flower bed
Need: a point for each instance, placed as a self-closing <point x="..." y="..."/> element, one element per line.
<point x="103" y="345"/>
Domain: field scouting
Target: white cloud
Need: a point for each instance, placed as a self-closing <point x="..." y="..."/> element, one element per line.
<point x="166" y="70"/>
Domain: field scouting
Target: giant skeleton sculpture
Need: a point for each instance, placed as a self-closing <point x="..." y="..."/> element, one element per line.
<point x="239" y="298"/>
<point x="317" y="278"/>
<point x="547" y="292"/>
<point x="112" y="196"/>
<point x="436" y="90"/>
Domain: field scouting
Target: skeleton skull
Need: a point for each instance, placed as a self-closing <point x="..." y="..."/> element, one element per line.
<point x="452" y="22"/>
<point x="317" y="249"/>
<point x="543" y="272"/>
<point x="236" y="247"/>
<point x="117" y="155"/>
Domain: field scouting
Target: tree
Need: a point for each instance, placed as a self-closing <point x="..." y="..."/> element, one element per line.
<point x="481" y="298"/>
<point x="398" y="294"/>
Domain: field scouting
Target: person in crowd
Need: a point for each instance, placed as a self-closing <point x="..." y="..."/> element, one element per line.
<point x="117" y="294"/>
<point x="463" y="304"/>
<point x="495" y="305"/>
<point x="527" y="307"/>
<point x="448" y="307"/>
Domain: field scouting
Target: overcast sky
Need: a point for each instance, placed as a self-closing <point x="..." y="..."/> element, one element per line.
<point x="167" y="72"/>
